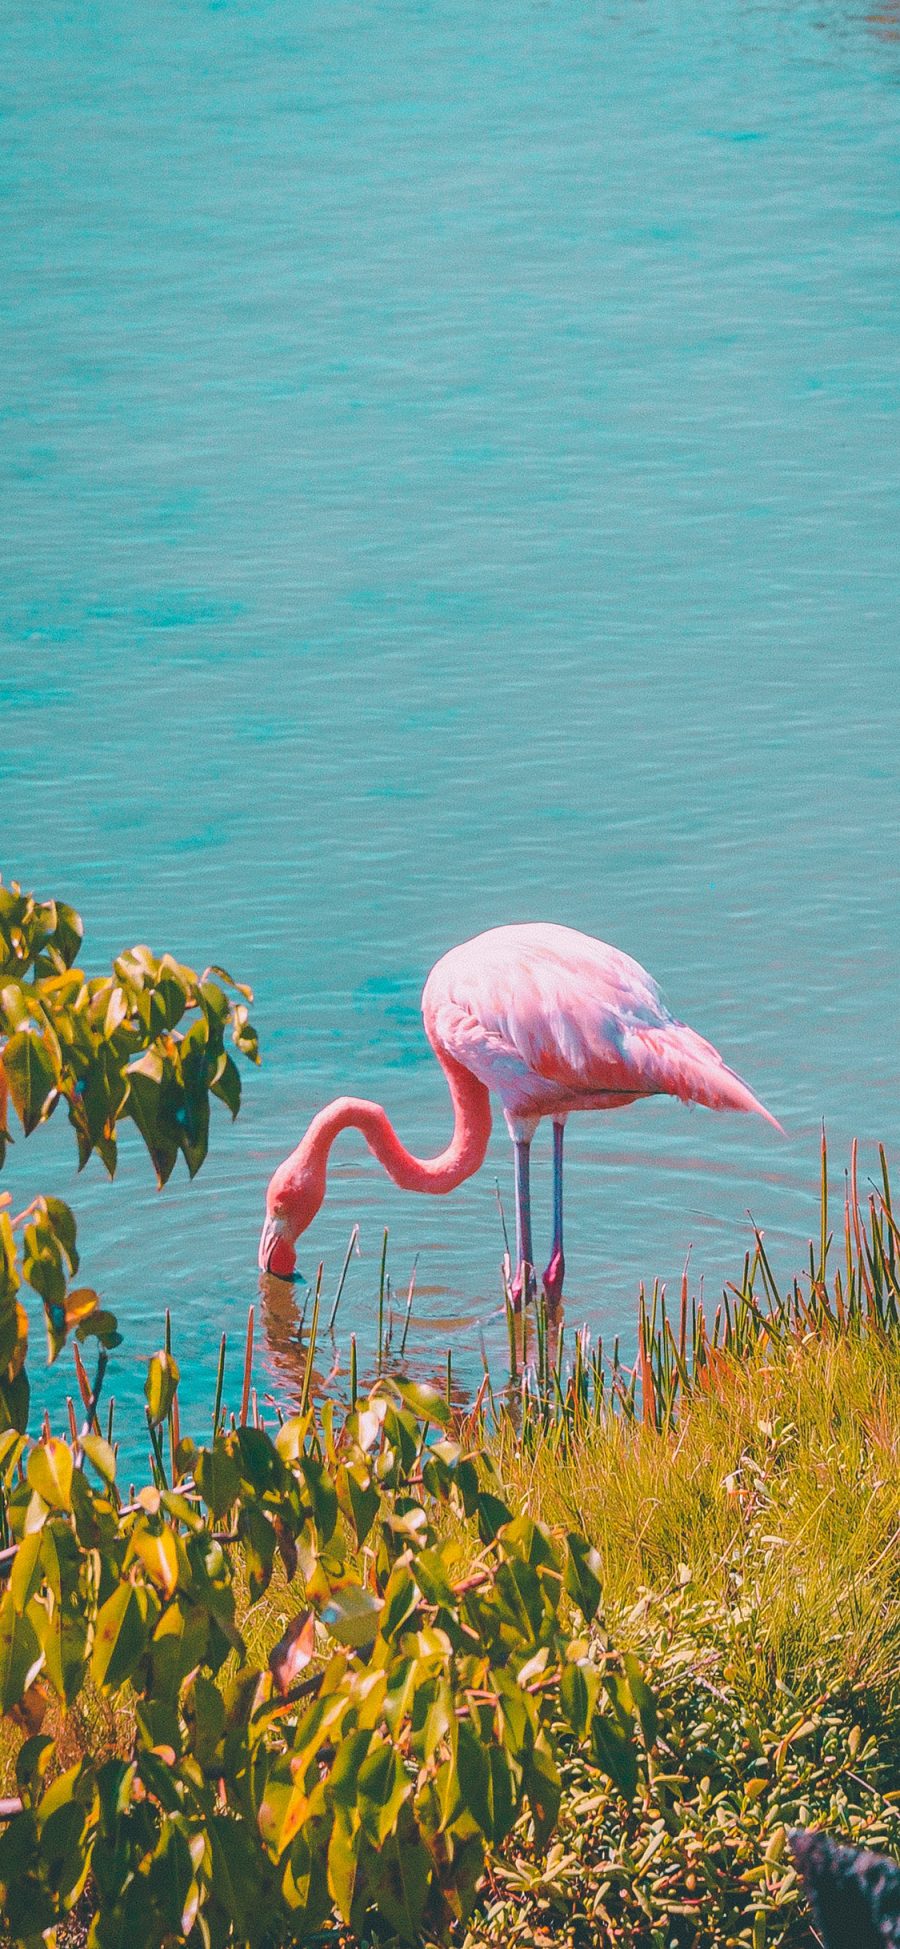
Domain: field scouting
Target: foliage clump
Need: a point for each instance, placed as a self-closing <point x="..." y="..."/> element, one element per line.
<point x="147" y="1043"/>
<point x="399" y="1726"/>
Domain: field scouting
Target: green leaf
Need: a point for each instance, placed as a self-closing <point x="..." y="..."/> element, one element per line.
<point x="15" y="1395"/>
<point x="99" y="1325"/>
<point x="192" y="1116"/>
<point x="21" y="1656"/>
<point x="532" y="1541"/>
<point x="427" y="1403"/>
<point x="217" y="1477"/>
<point x="227" y="1085"/>
<point x="579" y="1691"/>
<point x="163" y="1376"/>
<point x="256" y="1534"/>
<point x="13" y="1330"/>
<point x="62" y="1219"/>
<point x="101" y="1455"/>
<point x="157" y="1550"/>
<point x="61" y="1836"/>
<point x="205" y="1704"/>
<point x="517" y="1588"/>
<point x="291" y="1436"/>
<point x="149" y="1105"/>
<point x="26" y="1575"/>
<point x="474" y="1778"/>
<point x="343" y="1862"/>
<point x="382" y="1787"/>
<point x="322" y="1495"/>
<point x="493" y="1515"/>
<point x="64" y="1637"/>
<point x="235" y="1878"/>
<point x="19" y="1006"/>
<point x="544" y="1789"/>
<point x="400" y="1599"/>
<point x="404" y="1881"/>
<point x="12" y="1447"/>
<point x="518" y="1717"/>
<point x="49" y="1472"/>
<point x="501" y="1794"/>
<point x="359" y="1498"/>
<point x="431" y="1575"/>
<point x="244" y="1035"/>
<point x="644" y="1698"/>
<point x="343" y="1780"/>
<point x="259" y="1461"/>
<point x="121" y="1635"/>
<point x="352" y="1615"/>
<point x="28" y="1908"/>
<point x="170" y="990"/>
<point x="31" y="1073"/>
<point x="32" y="1761"/>
<point x="180" y="1642"/>
<point x="45" y="1274"/>
<point x="69" y="932"/>
<point x="582" y="1575"/>
<point x="613" y="1750"/>
<point x="223" y="974"/>
<point x="618" y="1692"/>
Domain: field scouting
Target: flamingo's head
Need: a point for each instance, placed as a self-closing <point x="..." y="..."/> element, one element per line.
<point x="292" y="1200"/>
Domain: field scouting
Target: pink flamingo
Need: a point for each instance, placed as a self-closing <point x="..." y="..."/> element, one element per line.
<point x="552" y="1021"/>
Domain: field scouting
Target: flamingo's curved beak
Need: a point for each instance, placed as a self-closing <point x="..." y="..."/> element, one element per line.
<point x="276" y="1249"/>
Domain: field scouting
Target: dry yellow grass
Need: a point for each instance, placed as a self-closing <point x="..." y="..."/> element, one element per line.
<point x="777" y="1495"/>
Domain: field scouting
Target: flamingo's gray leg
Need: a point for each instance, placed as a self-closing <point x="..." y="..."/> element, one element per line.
<point x="555" y="1273"/>
<point x="523" y="1282"/>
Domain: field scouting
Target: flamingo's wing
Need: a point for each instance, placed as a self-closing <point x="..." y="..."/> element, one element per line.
<point x="532" y="1006"/>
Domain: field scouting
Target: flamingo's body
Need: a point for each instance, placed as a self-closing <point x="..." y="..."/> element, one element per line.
<point x="552" y="1021"/>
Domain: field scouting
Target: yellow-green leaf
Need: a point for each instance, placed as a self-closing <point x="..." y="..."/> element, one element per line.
<point x="352" y="1615"/>
<point x="100" y="1453"/>
<point x="159" y="1556"/>
<point x="26" y="1573"/>
<point x="21" y="1656"/>
<point x="163" y="1375"/>
<point x="31" y="1074"/>
<point x="49" y="1472"/>
<point x="121" y="1634"/>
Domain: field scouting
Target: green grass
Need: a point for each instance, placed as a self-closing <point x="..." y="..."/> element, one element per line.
<point x="776" y="1496"/>
<point x="750" y="1556"/>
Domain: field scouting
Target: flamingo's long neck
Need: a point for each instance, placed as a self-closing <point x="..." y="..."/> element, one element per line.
<point x="307" y="1165"/>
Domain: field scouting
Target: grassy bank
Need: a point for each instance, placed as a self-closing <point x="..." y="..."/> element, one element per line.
<point x="751" y="1557"/>
<point x="741" y="1488"/>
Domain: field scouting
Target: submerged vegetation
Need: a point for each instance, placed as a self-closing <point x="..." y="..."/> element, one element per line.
<point x="568" y="1665"/>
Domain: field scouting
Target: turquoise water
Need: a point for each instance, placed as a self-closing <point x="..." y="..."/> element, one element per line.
<point x="450" y="475"/>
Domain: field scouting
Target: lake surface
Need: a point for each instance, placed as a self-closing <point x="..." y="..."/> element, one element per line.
<point x="450" y="475"/>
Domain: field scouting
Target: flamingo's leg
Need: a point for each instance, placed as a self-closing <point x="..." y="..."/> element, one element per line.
<point x="523" y="1283"/>
<point x="555" y="1273"/>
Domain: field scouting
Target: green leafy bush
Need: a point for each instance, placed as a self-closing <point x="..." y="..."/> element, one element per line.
<point x="146" y="1042"/>
<point x="397" y="1729"/>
